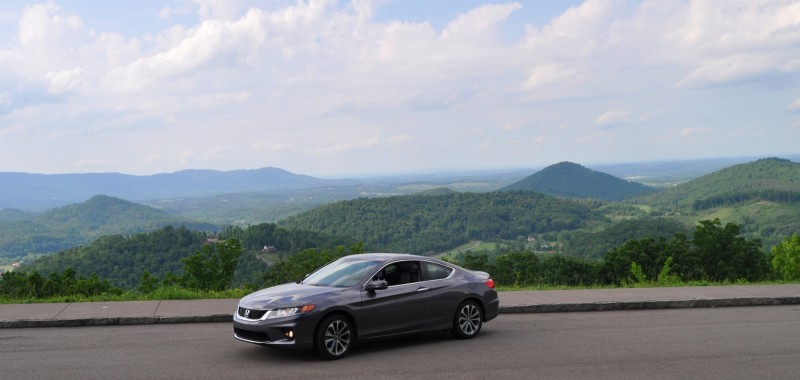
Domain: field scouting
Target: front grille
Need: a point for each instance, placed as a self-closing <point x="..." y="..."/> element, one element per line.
<point x="250" y="335"/>
<point x="251" y="313"/>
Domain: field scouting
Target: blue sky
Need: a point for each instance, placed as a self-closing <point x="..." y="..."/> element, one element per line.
<point x="334" y="88"/>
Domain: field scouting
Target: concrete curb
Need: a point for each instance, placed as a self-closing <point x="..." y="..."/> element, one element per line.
<point x="116" y="321"/>
<point x="513" y="309"/>
<point x="645" y="305"/>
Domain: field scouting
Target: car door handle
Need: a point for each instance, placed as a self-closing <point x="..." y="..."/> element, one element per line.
<point x="422" y="289"/>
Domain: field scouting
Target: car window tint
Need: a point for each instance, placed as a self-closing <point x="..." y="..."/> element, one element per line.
<point x="437" y="272"/>
<point x="404" y="272"/>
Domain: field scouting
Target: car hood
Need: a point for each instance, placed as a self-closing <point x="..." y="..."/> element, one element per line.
<point x="286" y="295"/>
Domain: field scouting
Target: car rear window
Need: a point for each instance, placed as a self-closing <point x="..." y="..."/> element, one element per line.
<point x="437" y="272"/>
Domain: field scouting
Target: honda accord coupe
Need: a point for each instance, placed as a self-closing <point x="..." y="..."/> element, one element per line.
<point x="367" y="296"/>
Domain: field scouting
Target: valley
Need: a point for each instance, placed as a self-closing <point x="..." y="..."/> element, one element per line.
<point x="564" y="209"/>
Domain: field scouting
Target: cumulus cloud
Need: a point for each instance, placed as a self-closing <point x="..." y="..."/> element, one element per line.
<point x="478" y="24"/>
<point x="612" y="118"/>
<point x="295" y="81"/>
<point x="65" y="80"/>
<point x="211" y="41"/>
<point x="736" y="41"/>
<point x="550" y="75"/>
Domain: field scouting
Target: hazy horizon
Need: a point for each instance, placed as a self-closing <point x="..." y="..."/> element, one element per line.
<point x="464" y="170"/>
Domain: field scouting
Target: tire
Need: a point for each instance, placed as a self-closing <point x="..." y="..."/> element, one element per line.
<point x="335" y="337"/>
<point x="468" y="320"/>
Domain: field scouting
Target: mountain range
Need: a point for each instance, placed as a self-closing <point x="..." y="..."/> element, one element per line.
<point x="763" y="195"/>
<point x="43" y="191"/>
<point x="23" y="233"/>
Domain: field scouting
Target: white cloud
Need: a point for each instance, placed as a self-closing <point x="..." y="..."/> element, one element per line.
<point x="165" y="12"/>
<point x="211" y="40"/>
<point x="65" y="80"/>
<point x="736" y="40"/>
<point x="612" y="118"/>
<point x="41" y="22"/>
<point x="551" y="75"/>
<point x="729" y="69"/>
<point x="287" y="81"/>
<point x="479" y="24"/>
<point x="513" y="125"/>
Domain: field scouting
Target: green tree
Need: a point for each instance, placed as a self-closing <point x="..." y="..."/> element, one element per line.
<point x="725" y="255"/>
<point x="566" y="270"/>
<point x="516" y="268"/>
<point x="147" y="282"/>
<point x="786" y="258"/>
<point x="212" y="267"/>
<point x="302" y="263"/>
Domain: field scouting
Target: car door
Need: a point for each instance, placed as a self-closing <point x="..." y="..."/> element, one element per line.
<point x="446" y="293"/>
<point x="402" y="307"/>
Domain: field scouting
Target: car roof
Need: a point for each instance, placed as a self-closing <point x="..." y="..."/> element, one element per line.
<point x="383" y="256"/>
<point x="390" y="257"/>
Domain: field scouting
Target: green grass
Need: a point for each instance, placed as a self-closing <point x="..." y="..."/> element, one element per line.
<point x="163" y="293"/>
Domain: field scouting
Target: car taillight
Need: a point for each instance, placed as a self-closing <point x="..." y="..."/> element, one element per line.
<point x="490" y="283"/>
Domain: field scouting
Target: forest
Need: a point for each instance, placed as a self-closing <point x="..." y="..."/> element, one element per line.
<point x="715" y="253"/>
<point x="433" y="223"/>
<point x="723" y="226"/>
<point x="122" y="259"/>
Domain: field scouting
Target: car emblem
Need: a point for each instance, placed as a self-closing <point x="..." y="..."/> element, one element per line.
<point x="247" y="313"/>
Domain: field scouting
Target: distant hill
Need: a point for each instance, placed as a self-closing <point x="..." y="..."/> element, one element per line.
<point x="68" y="226"/>
<point x="568" y="179"/>
<point x="768" y="179"/>
<point x="44" y="191"/>
<point x="422" y="223"/>
<point x="763" y="196"/>
<point x="11" y="214"/>
<point x="122" y="259"/>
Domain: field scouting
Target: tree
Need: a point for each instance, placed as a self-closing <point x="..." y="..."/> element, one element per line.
<point x="786" y="258"/>
<point x="516" y="268"/>
<point x="147" y="282"/>
<point x="724" y="255"/>
<point x="302" y="263"/>
<point x="212" y="267"/>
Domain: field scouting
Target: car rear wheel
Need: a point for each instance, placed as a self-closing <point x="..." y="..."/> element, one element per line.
<point x="468" y="320"/>
<point x="334" y="338"/>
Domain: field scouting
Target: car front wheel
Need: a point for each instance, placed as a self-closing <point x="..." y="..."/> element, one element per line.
<point x="334" y="338"/>
<point x="468" y="320"/>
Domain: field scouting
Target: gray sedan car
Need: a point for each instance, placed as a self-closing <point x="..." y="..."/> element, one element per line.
<point x="367" y="296"/>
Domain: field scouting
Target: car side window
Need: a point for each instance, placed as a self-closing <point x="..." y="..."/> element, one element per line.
<point x="404" y="272"/>
<point x="437" y="272"/>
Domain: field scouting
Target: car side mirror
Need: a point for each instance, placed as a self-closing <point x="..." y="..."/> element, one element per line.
<point x="376" y="285"/>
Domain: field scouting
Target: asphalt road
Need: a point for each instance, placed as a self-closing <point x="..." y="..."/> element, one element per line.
<point x="719" y="343"/>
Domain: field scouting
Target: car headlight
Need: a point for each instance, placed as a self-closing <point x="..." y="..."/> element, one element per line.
<point x="289" y="311"/>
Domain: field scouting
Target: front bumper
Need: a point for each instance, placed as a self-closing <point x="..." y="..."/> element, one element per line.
<point x="275" y="331"/>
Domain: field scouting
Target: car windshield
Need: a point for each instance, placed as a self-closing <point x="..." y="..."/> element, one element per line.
<point x="341" y="273"/>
